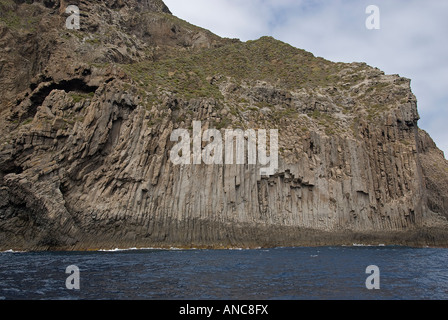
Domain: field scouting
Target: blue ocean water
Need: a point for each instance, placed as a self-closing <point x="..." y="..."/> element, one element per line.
<point x="280" y="273"/>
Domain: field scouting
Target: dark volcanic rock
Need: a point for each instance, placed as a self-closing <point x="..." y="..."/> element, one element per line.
<point x="87" y="117"/>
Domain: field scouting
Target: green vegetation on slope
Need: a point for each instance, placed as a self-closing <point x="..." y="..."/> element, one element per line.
<point x="265" y="59"/>
<point x="27" y="18"/>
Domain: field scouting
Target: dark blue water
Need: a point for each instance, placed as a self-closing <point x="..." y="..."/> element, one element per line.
<point x="283" y="273"/>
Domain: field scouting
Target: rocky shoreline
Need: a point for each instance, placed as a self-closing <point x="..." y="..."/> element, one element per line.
<point x="255" y="239"/>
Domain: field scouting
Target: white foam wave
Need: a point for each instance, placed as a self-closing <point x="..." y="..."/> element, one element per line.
<point x="127" y="249"/>
<point x="368" y="245"/>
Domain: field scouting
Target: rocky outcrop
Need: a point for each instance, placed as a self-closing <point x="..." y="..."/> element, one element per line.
<point x="87" y="121"/>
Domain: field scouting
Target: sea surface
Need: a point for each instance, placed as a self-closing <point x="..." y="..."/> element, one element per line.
<point x="280" y="273"/>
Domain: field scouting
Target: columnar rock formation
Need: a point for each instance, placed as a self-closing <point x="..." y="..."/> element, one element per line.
<point x="87" y="117"/>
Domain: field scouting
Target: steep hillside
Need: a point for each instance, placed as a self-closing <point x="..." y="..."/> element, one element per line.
<point x="87" y="116"/>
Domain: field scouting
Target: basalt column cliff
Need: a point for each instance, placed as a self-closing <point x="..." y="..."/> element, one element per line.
<point x="87" y="116"/>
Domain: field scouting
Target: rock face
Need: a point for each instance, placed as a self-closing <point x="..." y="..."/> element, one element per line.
<point x="87" y="117"/>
